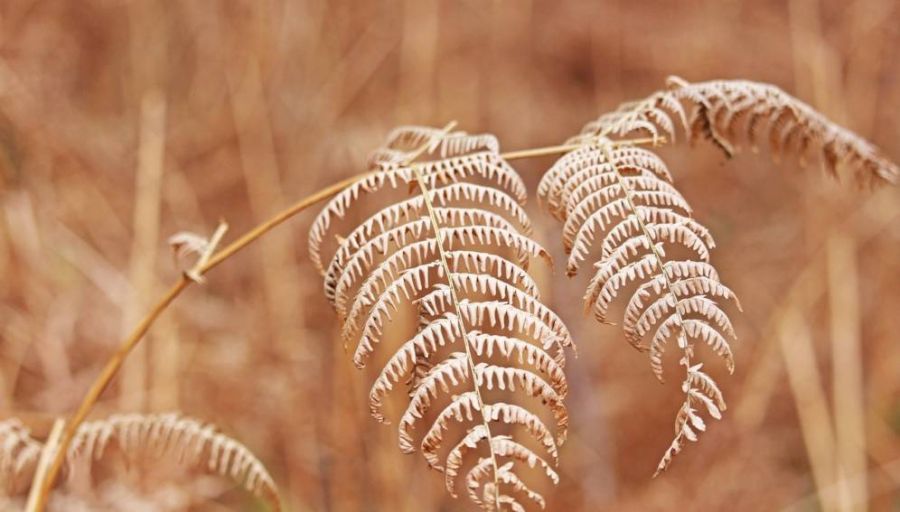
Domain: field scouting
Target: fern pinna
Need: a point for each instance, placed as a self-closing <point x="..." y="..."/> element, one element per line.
<point x="620" y="200"/>
<point x="19" y="455"/>
<point x="456" y="250"/>
<point x="138" y="436"/>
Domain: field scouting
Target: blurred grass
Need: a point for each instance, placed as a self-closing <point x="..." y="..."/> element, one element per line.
<point x="269" y="100"/>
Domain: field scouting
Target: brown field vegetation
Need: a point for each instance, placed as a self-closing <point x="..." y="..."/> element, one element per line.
<point x="125" y="122"/>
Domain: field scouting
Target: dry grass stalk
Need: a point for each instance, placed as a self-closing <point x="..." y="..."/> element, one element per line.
<point x="47" y="453"/>
<point x="848" y="391"/>
<point x="113" y="365"/>
<point x="145" y="223"/>
<point x="812" y="407"/>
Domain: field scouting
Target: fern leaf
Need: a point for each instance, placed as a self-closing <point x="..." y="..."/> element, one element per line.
<point x="137" y="436"/>
<point x="457" y="253"/>
<point x="623" y="201"/>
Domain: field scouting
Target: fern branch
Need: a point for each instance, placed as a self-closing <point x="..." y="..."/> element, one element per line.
<point x="463" y="267"/>
<point x="191" y="442"/>
<point x="19" y="454"/>
<point x="683" y="342"/>
<point x="115" y="361"/>
<point x="626" y="196"/>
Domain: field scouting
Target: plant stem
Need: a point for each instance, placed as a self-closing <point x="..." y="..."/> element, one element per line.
<point x="100" y="383"/>
<point x="50" y="447"/>
<point x="112" y="366"/>
<point x="555" y="150"/>
<point x="277" y="220"/>
<point x="115" y="361"/>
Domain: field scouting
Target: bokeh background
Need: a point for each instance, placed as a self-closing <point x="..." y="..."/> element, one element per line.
<point x="123" y="122"/>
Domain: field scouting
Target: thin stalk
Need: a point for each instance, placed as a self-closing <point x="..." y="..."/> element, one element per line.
<point x="115" y="361"/>
<point x="565" y="148"/>
<point x="195" y="273"/>
<point x="50" y="447"/>
<point x="279" y="219"/>
<point x="112" y="366"/>
<point x="100" y="383"/>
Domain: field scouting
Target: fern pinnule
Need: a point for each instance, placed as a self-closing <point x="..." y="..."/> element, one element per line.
<point x="482" y="472"/>
<point x="19" y="454"/>
<point x="622" y="200"/>
<point x="457" y="253"/>
<point x="731" y="112"/>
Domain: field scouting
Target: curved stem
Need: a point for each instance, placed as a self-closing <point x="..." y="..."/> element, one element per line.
<point x="115" y="361"/>
<point x="112" y="366"/>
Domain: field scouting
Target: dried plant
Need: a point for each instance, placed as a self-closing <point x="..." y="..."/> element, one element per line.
<point x="481" y="356"/>
<point x="729" y="112"/>
<point x="458" y="252"/>
<point x="19" y="454"/>
<point x="625" y="196"/>
<point x="137" y="436"/>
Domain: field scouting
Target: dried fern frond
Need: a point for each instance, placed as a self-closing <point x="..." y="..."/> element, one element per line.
<point x="189" y="441"/>
<point x="19" y="454"/>
<point x="732" y="112"/>
<point x="620" y="203"/>
<point x="457" y="253"/>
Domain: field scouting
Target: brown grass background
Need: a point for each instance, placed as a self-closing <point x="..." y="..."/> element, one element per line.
<point x="246" y="105"/>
